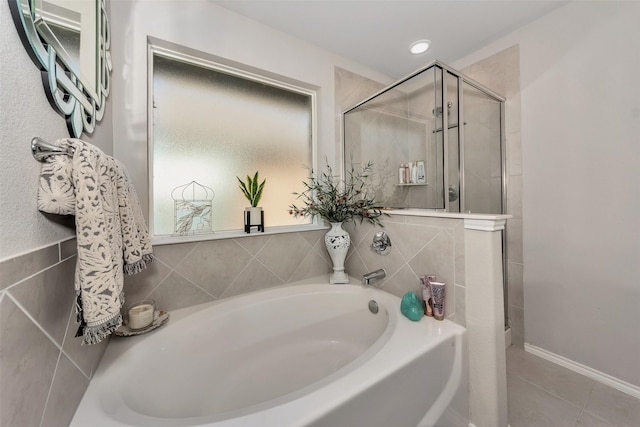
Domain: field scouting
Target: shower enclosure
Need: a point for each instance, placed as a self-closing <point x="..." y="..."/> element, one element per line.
<point x="436" y="141"/>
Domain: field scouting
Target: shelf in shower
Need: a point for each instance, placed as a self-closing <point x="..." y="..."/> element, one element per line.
<point x="450" y="127"/>
<point x="413" y="184"/>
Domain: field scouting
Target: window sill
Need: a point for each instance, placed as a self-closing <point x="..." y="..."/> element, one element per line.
<point x="234" y="234"/>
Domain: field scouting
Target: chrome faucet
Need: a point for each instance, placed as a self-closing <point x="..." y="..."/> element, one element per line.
<point x="378" y="274"/>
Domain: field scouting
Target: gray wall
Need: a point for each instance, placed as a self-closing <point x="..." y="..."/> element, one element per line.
<point x="580" y="159"/>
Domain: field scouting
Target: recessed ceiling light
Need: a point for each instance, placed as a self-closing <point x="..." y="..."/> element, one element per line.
<point x="419" y="46"/>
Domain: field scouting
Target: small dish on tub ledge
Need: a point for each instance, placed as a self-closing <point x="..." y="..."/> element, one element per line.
<point x="159" y="319"/>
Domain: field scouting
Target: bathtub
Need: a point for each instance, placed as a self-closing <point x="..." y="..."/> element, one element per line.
<point x="305" y="355"/>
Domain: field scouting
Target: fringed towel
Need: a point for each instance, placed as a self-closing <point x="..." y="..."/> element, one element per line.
<point x="111" y="232"/>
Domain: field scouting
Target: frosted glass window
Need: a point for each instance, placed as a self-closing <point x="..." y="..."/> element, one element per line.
<point x="210" y="126"/>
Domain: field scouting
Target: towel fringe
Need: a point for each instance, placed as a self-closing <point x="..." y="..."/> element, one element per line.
<point x="139" y="265"/>
<point x="95" y="334"/>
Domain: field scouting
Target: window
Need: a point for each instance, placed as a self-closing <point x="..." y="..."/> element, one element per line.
<point x="210" y="123"/>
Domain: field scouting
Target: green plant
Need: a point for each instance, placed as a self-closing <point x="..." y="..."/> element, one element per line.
<point x="251" y="189"/>
<point x="337" y="200"/>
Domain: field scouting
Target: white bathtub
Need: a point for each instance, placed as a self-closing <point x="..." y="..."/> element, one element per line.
<point x="304" y="355"/>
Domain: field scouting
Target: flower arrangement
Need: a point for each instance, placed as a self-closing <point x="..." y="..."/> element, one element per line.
<point x="337" y="200"/>
<point x="251" y="189"/>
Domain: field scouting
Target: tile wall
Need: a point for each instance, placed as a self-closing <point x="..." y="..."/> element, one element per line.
<point x="420" y="245"/>
<point x="44" y="370"/>
<point x="186" y="274"/>
<point x="501" y="73"/>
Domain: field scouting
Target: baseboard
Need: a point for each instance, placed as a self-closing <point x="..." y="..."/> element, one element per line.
<point x="473" y="425"/>
<point x="601" y="377"/>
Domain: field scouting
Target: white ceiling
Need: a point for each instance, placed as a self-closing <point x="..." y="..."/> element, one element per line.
<point x="377" y="33"/>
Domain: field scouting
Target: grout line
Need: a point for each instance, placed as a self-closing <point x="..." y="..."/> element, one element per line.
<point x="53" y="378"/>
<point x="24" y="279"/>
<point x="545" y="390"/>
<point x="64" y="339"/>
<point x="26" y="312"/>
<point x="246" y="266"/>
<point x="308" y="254"/>
<point x="195" y="246"/>
<point x="172" y="270"/>
<point x="31" y="251"/>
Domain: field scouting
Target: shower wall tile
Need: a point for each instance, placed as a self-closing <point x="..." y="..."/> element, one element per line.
<point x="458" y="241"/>
<point x="313" y="265"/>
<point x="85" y="357"/>
<point x="254" y="244"/>
<point x="283" y="254"/>
<point x="314" y="237"/>
<point x="460" y="305"/>
<point x="403" y="281"/>
<point x="321" y="249"/>
<point x="420" y="246"/>
<point x="501" y="72"/>
<point x="516" y="288"/>
<point x="173" y="255"/>
<point x="359" y="232"/>
<point x="68" y="248"/>
<point x="48" y="297"/>
<point x="254" y="277"/>
<point x="406" y="241"/>
<point x="516" y="316"/>
<point x="139" y="286"/>
<point x="437" y="258"/>
<point x="514" y="240"/>
<point x="513" y="107"/>
<point x="27" y="361"/>
<point x="177" y="292"/>
<point x="514" y="153"/>
<point x="67" y="390"/>
<point x="514" y="196"/>
<point x="187" y="274"/>
<point x="37" y="321"/>
<point x="391" y="262"/>
<point x="354" y="265"/>
<point x="213" y="265"/>
<point x="15" y="269"/>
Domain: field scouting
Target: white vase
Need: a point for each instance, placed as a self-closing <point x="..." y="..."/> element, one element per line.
<point x="255" y="214"/>
<point x="337" y="241"/>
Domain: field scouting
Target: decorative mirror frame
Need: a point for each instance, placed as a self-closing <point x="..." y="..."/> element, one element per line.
<point x="66" y="92"/>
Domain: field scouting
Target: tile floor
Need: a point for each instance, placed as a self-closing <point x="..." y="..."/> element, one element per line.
<point x="543" y="394"/>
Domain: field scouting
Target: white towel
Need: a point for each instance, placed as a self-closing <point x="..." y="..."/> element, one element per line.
<point x="111" y="234"/>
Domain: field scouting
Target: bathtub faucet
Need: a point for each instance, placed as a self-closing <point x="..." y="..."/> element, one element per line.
<point x="378" y="274"/>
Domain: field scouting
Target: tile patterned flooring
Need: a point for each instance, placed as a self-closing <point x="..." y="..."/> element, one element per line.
<point x="543" y="394"/>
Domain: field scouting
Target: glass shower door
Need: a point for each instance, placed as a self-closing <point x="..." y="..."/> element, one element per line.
<point x="482" y="165"/>
<point x="453" y="185"/>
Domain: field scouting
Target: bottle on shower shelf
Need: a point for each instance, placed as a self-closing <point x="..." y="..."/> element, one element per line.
<point x="421" y="174"/>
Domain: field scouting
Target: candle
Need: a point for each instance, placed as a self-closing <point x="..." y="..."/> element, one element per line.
<point x="141" y="314"/>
